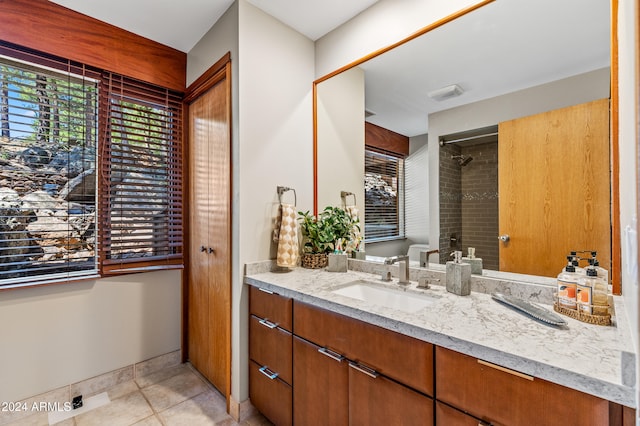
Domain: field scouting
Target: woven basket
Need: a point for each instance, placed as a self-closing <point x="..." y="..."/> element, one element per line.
<point x="583" y="316"/>
<point x="314" y="260"/>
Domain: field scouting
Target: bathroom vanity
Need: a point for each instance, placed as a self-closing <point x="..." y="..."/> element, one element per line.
<point x="319" y="357"/>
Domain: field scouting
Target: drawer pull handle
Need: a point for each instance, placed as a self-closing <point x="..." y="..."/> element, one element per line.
<point x="270" y="374"/>
<point x="505" y="370"/>
<point x="265" y="290"/>
<point x="331" y="354"/>
<point x="366" y="370"/>
<point x="267" y="323"/>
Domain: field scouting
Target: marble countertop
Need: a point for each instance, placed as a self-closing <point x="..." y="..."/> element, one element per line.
<point x="581" y="356"/>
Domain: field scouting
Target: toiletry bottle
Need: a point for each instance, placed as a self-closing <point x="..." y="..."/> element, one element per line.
<point x="600" y="297"/>
<point x="567" y="284"/>
<point x="602" y="272"/>
<point x="584" y="290"/>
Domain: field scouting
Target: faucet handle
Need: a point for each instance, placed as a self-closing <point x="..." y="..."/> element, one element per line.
<point x="423" y="282"/>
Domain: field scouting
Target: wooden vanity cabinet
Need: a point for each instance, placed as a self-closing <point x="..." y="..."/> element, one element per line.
<point x="500" y="396"/>
<point x="270" y="354"/>
<point x="350" y="372"/>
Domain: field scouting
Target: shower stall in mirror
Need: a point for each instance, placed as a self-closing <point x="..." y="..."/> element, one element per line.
<point x="469" y="194"/>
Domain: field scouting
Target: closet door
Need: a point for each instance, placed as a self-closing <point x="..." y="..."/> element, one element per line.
<point x="209" y="287"/>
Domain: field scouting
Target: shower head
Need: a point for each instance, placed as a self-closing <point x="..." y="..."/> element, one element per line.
<point x="462" y="160"/>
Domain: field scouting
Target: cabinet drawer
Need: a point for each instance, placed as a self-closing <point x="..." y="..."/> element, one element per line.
<point x="502" y="396"/>
<point x="447" y="416"/>
<point x="403" y="358"/>
<point x="271" y="347"/>
<point x="485" y="392"/>
<point x="272" y="397"/>
<point x="271" y="306"/>
<point x="380" y="401"/>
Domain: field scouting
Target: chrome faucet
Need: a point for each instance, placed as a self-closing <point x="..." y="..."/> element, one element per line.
<point x="403" y="266"/>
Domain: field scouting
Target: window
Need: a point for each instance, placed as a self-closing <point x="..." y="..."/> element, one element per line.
<point x="384" y="195"/>
<point x="47" y="173"/>
<point x="141" y="170"/>
<point x="90" y="171"/>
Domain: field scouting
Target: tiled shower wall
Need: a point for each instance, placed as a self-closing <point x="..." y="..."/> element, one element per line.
<point x="480" y="203"/>
<point x="469" y="202"/>
<point x="450" y="201"/>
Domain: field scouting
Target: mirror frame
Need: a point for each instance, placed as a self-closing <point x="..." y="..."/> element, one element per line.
<point x="613" y="120"/>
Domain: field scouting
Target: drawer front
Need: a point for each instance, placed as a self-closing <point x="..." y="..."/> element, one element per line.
<point x="403" y="358"/>
<point x="494" y="394"/>
<point x="272" y="397"/>
<point x="447" y="416"/>
<point x="271" y="347"/>
<point x="273" y="307"/>
<point x="380" y="401"/>
<point x="506" y="397"/>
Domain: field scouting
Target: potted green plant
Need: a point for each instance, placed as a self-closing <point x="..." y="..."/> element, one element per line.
<point x="328" y="232"/>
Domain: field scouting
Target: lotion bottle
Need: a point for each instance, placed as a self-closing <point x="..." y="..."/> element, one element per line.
<point x="567" y="285"/>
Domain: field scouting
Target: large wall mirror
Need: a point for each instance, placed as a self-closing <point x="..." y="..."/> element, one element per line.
<point x="493" y="66"/>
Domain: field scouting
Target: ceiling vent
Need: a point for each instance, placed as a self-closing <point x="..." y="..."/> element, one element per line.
<point x="446" y="93"/>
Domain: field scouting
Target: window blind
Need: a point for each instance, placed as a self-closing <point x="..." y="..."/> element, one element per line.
<point x="48" y="132"/>
<point x="141" y="176"/>
<point x="384" y="199"/>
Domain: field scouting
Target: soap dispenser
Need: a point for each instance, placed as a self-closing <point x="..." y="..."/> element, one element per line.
<point x="567" y="285"/>
<point x="458" y="275"/>
<point x="475" y="262"/>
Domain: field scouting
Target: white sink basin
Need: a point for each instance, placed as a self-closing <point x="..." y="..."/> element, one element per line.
<point x="379" y="295"/>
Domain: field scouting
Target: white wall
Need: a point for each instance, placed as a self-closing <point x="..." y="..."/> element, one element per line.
<point x="379" y="26"/>
<point x="275" y="148"/>
<point x="566" y="92"/>
<point x="627" y="30"/>
<point x="272" y="137"/>
<point x="340" y="127"/>
<point x="55" y="335"/>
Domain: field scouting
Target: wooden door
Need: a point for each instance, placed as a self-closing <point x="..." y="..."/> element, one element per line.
<point x="209" y="286"/>
<point x="320" y="390"/>
<point x="553" y="180"/>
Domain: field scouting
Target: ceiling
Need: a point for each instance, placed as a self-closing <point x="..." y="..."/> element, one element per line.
<point x="497" y="49"/>
<point x="189" y="20"/>
<point x="500" y="48"/>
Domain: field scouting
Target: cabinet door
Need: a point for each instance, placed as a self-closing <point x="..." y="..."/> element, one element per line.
<point x="270" y="346"/>
<point x="375" y="399"/>
<point x="270" y="395"/>
<point x="320" y="391"/>
<point x="449" y="416"/>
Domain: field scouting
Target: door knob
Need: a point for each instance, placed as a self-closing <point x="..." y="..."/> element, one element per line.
<point x="203" y="248"/>
<point x="504" y="238"/>
<point x="211" y="250"/>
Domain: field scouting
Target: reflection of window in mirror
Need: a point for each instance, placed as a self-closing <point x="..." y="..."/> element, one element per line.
<point x="384" y="195"/>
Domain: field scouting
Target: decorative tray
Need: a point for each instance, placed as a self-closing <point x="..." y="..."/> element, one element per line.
<point x="530" y="309"/>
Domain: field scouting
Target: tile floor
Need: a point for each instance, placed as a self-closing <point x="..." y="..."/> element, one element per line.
<point x="173" y="396"/>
